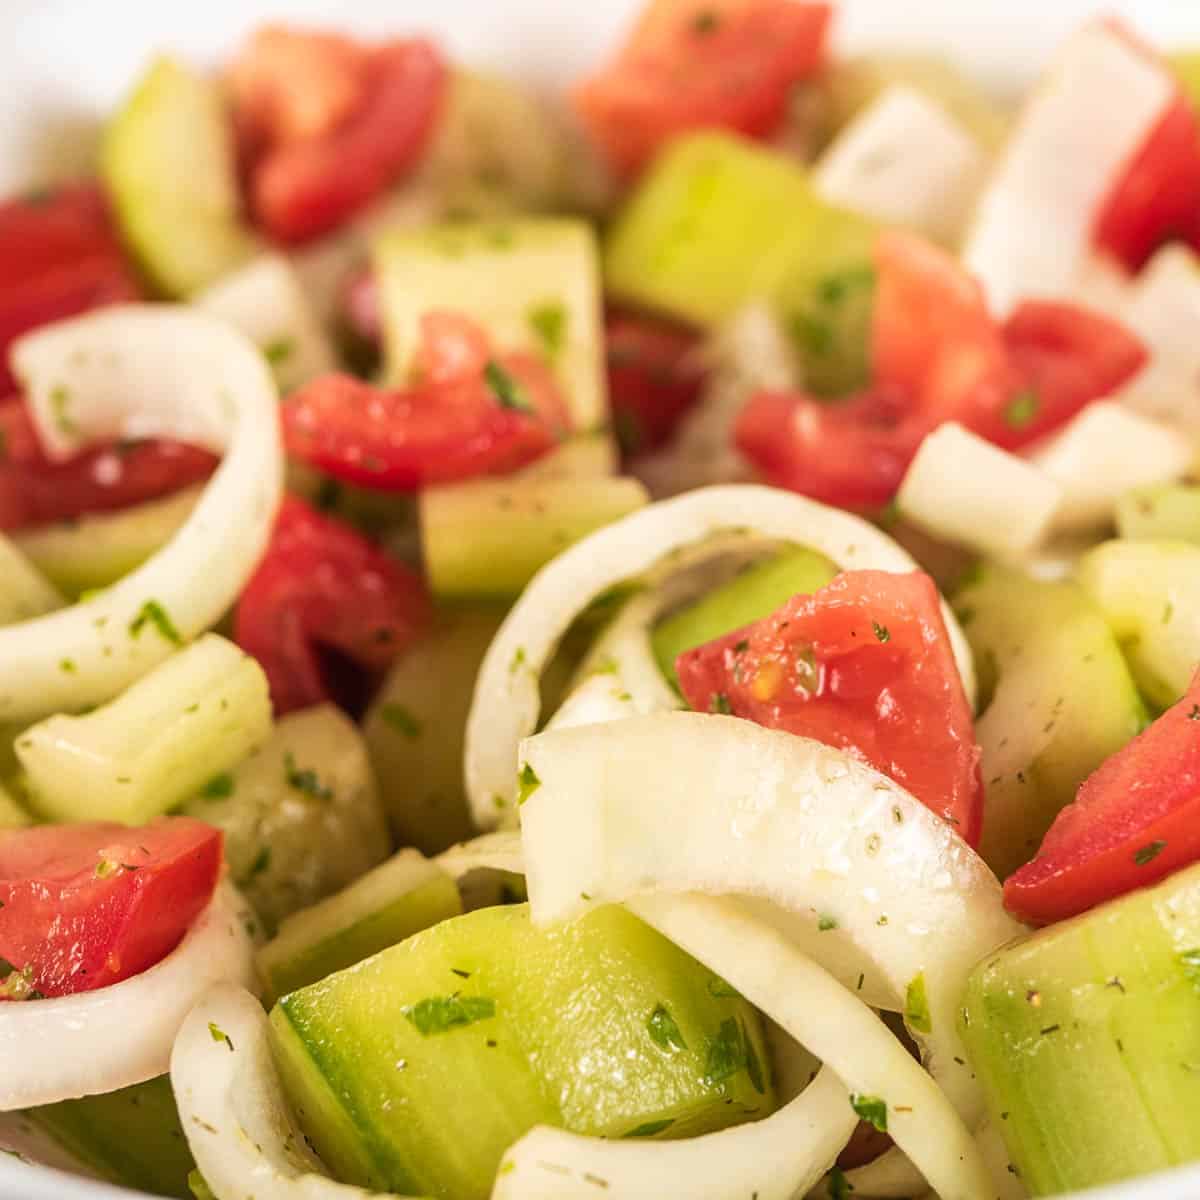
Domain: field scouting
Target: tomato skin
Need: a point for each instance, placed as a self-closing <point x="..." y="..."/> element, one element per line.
<point x="34" y="490"/>
<point x="654" y="377"/>
<point x="314" y="161"/>
<point x="1134" y="821"/>
<point x="80" y="925"/>
<point x="450" y="425"/>
<point x="864" y="664"/>
<point x="701" y="64"/>
<point x="59" y="256"/>
<point x="322" y="585"/>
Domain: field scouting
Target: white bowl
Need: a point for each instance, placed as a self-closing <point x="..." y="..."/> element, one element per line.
<point x="67" y="62"/>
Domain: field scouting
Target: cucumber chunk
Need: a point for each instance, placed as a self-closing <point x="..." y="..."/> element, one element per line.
<point x="131" y="1137"/>
<point x="25" y="591"/>
<point x="414" y="729"/>
<point x="489" y="537"/>
<point x="532" y="283"/>
<point x="98" y="549"/>
<point x="200" y="712"/>
<point x="12" y="812"/>
<point x="1150" y="595"/>
<point x="167" y="162"/>
<point x="1086" y="1039"/>
<point x="1168" y="512"/>
<point x="1058" y="698"/>
<point x="301" y="817"/>
<point x="398" y="898"/>
<point x="753" y="594"/>
<point x="600" y="1025"/>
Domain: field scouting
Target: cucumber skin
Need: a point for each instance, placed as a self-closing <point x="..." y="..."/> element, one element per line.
<point x="1086" y="1039"/>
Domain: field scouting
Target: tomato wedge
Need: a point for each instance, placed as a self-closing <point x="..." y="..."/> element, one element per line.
<point x="325" y="608"/>
<point x="1134" y="821"/>
<point x="325" y="124"/>
<point x="87" y="905"/>
<point x="864" y="664"/>
<point x="654" y="377"/>
<point x="35" y="490"/>
<point x="59" y="256"/>
<point x="701" y="64"/>
<point x="471" y="413"/>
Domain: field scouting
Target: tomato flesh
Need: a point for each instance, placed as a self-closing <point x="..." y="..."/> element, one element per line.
<point x="1134" y="821"/>
<point x="864" y="664"/>
<point x="84" y="906"/>
<point x="322" y="586"/>
<point x="701" y="64"/>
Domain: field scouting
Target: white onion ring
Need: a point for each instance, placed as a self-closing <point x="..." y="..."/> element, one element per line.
<point x="506" y="702"/>
<point x="138" y="371"/>
<point x="94" y="1042"/>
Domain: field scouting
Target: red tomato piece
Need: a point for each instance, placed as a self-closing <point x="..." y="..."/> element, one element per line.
<point x="85" y="906"/>
<point x="1134" y="821"/>
<point x="700" y="64"/>
<point x="864" y="664"/>
<point x="471" y="413"/>
<point x="322" y="587"/>
<point x="654" y="377"/>
<point x="58" y="256"/>
<point x="34" y="490"/>
<point x="326" y="125"/>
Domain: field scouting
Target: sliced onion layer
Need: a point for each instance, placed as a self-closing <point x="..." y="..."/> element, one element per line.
<point x="94" y="1042"/>
<point x="673" y="533"/>
<point x="141" y="371"/>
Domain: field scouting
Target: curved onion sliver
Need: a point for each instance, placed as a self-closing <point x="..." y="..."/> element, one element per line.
<point x="491" y="852"/>
<point x="776" y="1158"/>
<point x="146" y="371"/>
<point x="99" y="1041"/>
<point x="506" y="703"/>
<point x="233" y="1111"/>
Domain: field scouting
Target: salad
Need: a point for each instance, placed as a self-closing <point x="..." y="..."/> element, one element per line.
<point x="635" y="645"/>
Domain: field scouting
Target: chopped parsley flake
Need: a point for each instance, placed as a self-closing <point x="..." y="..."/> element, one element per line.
<point x="67" y="666"/>
<point x="106" y="868"/>
<point x="839" y="1186"/>
<point x="916" y="1005"/>
<point x="527" y="783"/>
<point x="440" y="1014"/>
<point x="720" y="704"/>
<point x="663" y="1030"/>
<point x="726" y="1054"/>
<point x="753" y="1066"/>
<point x="650" y="1128"/>
<point x="1149" y="853"/>
<point x="401" y="720"/>
<point x="219" y="1035"/>
<point x="219" y="787"/>
<point x="1022" y="409"/>
<point x="518" y="660"/>
<point x="60" y="397"/>
<point x="304" y="779"/>
<point x="508" y="392"/>
<point x="872" y="1110"/>
<point x="881" y="632"/>
<point x="153" y="613"/>
<point x="706" y="21"/>
<point x="741" y="647"/>
<point x="718" y="988"/>
<point x="279" y="351"/>
<point x="1194" y="713"/>
<point x="549" y="324"/>
<point x="261" y="862"/>
<point x="825" y="922"/>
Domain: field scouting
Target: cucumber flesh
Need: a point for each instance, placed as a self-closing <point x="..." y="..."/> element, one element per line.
<point x="167" y="162"/>
<point x="753" y="594"/>
<point x="1057" y="698"/>
<point x="601" y="1026"/>
<point x="1169" y="512"/>
<point x="12" y="812"/>
<point x="486" y="539"/>
<point x="1186" y="66"/>
<point x="131" y="1137"/>
<point x="1086" y="1039"/>
<point x="300" y="815"/>
<point x="398" y="898"/>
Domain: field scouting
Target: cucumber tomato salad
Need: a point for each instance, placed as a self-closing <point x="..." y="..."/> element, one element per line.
<point x="628" y="645"/>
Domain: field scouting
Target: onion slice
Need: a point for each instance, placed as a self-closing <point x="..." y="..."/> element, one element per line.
<point x="94" y="1042"/>
<point x="671" y="534"/>
<point x="140" y="371"/>
<point x="492" y="852"/>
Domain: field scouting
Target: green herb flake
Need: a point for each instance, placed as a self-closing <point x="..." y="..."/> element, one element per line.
<point x="1022" y="409"/>
<point x="839" y="1186"/>
<point x="705" y="22"/>
<point x="718" y="988"/>
<point x="720" y="704"/>
<point x="663" y="1030"/>
<point x="916" y="1005"/>
<point x="508" y="392"/>
<point x="219" y="787"/>
<point x="881" y="632"/>
<point x="517" y="661"/>
<point x="872" y="1110"/>
<point x="1149" y="852"/>
<point x="397" y="717"/>
<point x="67" y="666"/>
<point x="304" y="779"/>
<point x="261" y="862"/>
<point x="726" y="1054"/>
<point x="60" y="397"/>
<point x="219" y="1035"/>
<point x="548" y="321"/>
<point x="651" y="1128"/>
<point x="440" y="1014"/>
<point x="753" y="1066"/>
<point x="825" y="923"/>
<point x="279" y="351"/>
<point x="153" y="613"/>
<point x="527" y="783"/>
<point x="106" y="868"/>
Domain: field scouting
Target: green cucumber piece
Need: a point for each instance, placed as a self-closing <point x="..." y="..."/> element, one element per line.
<point x="749" y="596"/>
<point x="25" y="591"/>
<point x="486" y="539"/>
<point x="200" y="712"/>
<point x="1086" y="1039"/>
<point x="300" y="815"/>
<point x="167" y="162"/>
<point x="1168" y="512"/>
<point x="95" y="551"/>
<point x="389" y="903"/>
<point x="132" y="1137"/>
<point x="1150" y="595"/>
<point x="12" y="813"/>
<point x="600" y="1025"/>
<point x="414" y="729"/>
<point x="1057" y="701"/>
<point x="533" y="283"/>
